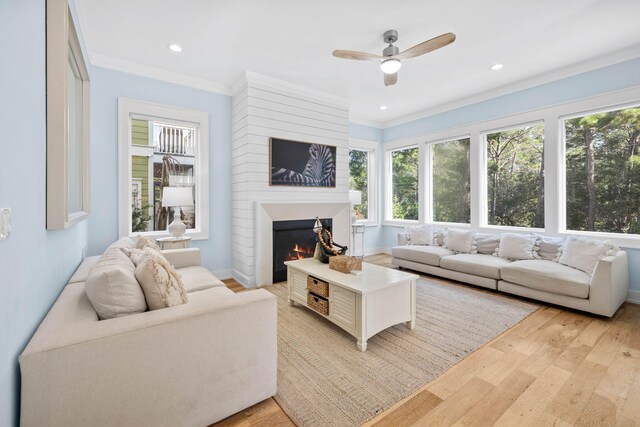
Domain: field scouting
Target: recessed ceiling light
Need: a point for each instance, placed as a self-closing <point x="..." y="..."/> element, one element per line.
<point x="496" y="67"/>
<point x="383" y="107"/>
<point x="175" y="47"/>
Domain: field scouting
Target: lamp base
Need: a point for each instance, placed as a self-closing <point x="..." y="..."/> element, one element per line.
<point x="177" y="228"/>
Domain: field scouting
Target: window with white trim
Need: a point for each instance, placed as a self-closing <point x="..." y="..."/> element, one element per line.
<point x="515" y="176"/>
<point x="404" y="183"/>
<point x="602" y="171"/>
<point x="451" y="181"/>
<point x="360" y="177"/>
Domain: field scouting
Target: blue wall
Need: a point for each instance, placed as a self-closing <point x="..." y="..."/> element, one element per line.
<point x="35" y="264"/>
<point x="106" y="87"/>
<point x="607" y="79"/>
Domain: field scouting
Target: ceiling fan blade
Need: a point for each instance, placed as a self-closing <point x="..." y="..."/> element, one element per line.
<point x="360" y="56"/>
<point x="428" y="46"/>
<point x="390" y="79"/>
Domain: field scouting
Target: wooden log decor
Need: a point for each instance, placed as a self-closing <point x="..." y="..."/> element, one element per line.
<point x="345" y="264"/>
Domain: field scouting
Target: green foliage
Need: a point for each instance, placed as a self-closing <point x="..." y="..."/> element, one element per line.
<point x="139" y="214"/>
<point x="358" y="179"/>
<point x="515" y="177"/>
<point x="612" y="139"/>
<point x="451" y="181"/>
<point x="404" y="167"/>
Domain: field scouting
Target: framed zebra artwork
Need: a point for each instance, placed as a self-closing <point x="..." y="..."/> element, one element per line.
<point x="301" y="164"/>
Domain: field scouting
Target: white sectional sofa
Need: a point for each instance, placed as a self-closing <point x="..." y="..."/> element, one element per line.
<point x="602" y="292"/>
<point x="188" y="365"/>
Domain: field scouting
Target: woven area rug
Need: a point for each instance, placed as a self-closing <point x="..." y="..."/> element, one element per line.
<point x="324" y="380"/>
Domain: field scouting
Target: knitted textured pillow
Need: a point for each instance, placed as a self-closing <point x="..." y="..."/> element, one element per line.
<point x="160" y="282"/>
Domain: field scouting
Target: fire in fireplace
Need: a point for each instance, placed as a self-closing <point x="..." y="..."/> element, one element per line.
<point x="292" y="240"/>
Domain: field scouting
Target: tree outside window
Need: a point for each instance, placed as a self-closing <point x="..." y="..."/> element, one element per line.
<point x="515" y="177"/>
<point x="603" y="172"/>
<point x="359" y="180"/>
<point x="404" y="183"/>
<point x="451" y="181"/>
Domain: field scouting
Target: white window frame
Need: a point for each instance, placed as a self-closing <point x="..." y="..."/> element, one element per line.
<point x="372" y="174"/>
<point x="128" y="108"/>
<point x="554" y="158"/>
<point x="485" y="168"/>
<point x="429" y="180"/>
<point x="388" y="185"/>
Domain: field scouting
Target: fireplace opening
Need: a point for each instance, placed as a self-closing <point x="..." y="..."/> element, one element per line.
<point x="292" y="240"/>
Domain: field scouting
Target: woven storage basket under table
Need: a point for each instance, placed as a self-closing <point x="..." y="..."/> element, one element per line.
<point x="317" y="303"/>
<point x="317" y="286"/>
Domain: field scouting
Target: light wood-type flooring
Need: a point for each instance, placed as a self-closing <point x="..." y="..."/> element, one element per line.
<point x="557" y="367"/>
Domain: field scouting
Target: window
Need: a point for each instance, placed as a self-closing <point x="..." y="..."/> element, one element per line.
<point x="404" y="183"/>
<point x="359" y="180"/>
<point x="162" y="148"/>
<point x="602" y="165"/>
<point x="451" y="181"/>
<point x="515" y="177"/>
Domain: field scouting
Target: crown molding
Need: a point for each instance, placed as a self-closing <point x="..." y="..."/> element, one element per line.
<point x="364" y="122"/>
<point x="616" y="57"/>
<point x="126" y="66"/>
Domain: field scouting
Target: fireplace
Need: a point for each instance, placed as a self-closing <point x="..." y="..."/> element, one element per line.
<point x="292" y="240"/>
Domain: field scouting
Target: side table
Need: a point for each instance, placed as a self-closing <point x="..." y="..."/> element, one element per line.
<point x="173" y="242"/>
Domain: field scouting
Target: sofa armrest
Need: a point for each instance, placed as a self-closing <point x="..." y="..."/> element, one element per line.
<point x="402" y="239"/>
<point x="609" y="284"/>
<point x="181" y="258"/>
<point x="185" y="365"/>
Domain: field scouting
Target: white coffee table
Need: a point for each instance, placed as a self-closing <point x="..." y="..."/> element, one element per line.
<point x="362" y="305"/>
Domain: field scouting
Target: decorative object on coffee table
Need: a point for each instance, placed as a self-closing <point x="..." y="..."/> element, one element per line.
<point x="345" y="264"/>
<point x="328" y="247"/>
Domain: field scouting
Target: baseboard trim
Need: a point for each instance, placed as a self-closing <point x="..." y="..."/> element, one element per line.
<point x="246" y="281"/>
<point x="633" y="297"/>
<point x="223" y="274"/>
<point x="376" y="251"/>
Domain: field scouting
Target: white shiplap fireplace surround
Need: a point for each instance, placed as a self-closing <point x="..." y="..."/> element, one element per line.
<point x="264" y="107"/>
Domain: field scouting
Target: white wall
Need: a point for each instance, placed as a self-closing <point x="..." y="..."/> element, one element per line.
<point x="263" y="107"/>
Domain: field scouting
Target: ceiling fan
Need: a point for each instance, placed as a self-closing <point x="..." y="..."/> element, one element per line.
<point x="391" y="58"/>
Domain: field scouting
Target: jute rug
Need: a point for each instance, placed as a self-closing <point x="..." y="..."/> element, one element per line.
<point x="324" y="380"/>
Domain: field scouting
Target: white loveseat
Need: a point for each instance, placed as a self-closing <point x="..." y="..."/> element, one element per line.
<point x="601" y="293"/>
<point x="188" y="365"/>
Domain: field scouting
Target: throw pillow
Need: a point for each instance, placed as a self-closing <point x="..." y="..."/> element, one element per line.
<point x="460" y="241"/>
<point x="144" y="242"/>
<point x="419" y="235"/>
<point x="161" y="283"/>
<point x="439" y="235"/>
<point x="550" y="247"/>
<point x="112" y="288"/>
<point x="517" y="246"/>
<point x="136" y="255"/>
<point x="487" y="243"/>
<point x="584" y="254"/>
<point x="123" y="242"/>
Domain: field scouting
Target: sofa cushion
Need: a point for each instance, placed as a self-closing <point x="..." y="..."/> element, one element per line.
<point x="550" y="248"/>
<point x="476" y="264"/>
<point x="518" y="246"/>
<point x="422" y="254"/>
<point x="547" y="276"/>
<point x="197" y="278"/>
<point x="112" y="287"/>
<point x="160" y="282"/>
<point x="487" y="243"/>
<point x="584" y="254"/>
<point x="123" y="242"/>
<point x="460" y="241"/>
<point x="419" y="235"/>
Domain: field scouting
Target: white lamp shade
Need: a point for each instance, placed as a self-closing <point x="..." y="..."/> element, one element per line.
<point x="355" y="197"/>
<point x="177" y="196"/>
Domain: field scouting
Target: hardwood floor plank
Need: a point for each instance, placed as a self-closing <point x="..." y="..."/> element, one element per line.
<point x="411" y="411"/>
<point x="495" y="403"/>
<point x="452" y="409"/>
<point x="530" y="405"/>
<point x="574" y="395"/>
<point x="599" y="411"/>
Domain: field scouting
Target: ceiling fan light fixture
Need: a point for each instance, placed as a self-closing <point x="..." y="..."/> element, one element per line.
<point x="496" y="67"/>
<point x="390" y="66"/>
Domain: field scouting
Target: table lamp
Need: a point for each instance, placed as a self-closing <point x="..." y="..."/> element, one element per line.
<point x="177" y="197"/>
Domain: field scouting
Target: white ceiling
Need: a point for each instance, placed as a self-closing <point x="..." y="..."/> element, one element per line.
<point x="293" y="40"/>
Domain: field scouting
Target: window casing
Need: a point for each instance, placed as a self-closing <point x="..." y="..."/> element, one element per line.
<point x="404" y="191"/>
<point x="363" y="175"/>
<point x="450" y="181"/>
<point x="161" y="146"/>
